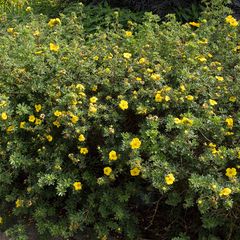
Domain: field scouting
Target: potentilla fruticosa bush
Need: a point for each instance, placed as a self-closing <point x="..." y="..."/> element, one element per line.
<point x="92" y="124"/>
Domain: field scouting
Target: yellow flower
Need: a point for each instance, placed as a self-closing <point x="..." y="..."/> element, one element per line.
<point x="112" y="155"/>
<point x="219" y="78"/>
<point x="57" y="124"/>
<point x="201" y="59"/>
<point x="177" y="121"/>
<point x="77" y="186"/>
<point x="36" y="33"/>
<point x="10" y="128"/>
<point x="84" y="151"/>
<point x="54" y="47"/>
<point x="1" y="220"/>
<point x="135" y="143"/>
<point x="139" y="79"/>
<point x="169" y="179"/>
<point x="158" y="97"/>
<point x="135" y="172"/>
<point x="92" y="108"/>
<point x="127" y="55"/>
<point x="187" y="121"/>
<point x="22" y="124"/>
<point x="123" y="104"/>
<point x="81" y="138"/>
<point x="31" y="118"/>
<point x="93" y="99"/>
<point x="38" y="121"/>
<point x="195" y="24"/>
<point x="229" y="122"/>
<point x="10" y="30"/>
<point x="232" y="99"/>
<point x="53" y="22"/>
<point x="225" y="192"/>
<point x="231" y="20"/>
<point x="212" y="145"/>
<point x="49" y="138"/>
<point x="57" y="113"/>
<point x="38" y="107"/>
<point x="74" y="119"/>
<point x="128" y="33"/>
<point x="28" y="9"/>
<point x="4" y="116"/>
<point x="155" y="76"/>
<point x="212" y="102"/>
<point x="19" y="203"/>
<point x="189" y="97"/>
<point x="96" y="58"/>
<point x="167" y="98"/>
<point x="107" y="171"/>
<point x="182" y="88"/>
<point x="231" y="172"/>
<point x="142" y="61"/>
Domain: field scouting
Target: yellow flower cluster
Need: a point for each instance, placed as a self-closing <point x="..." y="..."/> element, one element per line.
<point x="231" y="20"/>
<point x="185" y="121"/>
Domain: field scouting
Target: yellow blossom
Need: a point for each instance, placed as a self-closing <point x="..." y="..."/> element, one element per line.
<point x="155" y="76"/>
<point x="31" y="118"/>
<point x="158" y="97"/>
<point x="182" y="88"/>
<point x="93" y="99"/>
<point x="4" y="116"/>
<point x="92" y="108"/>
<point x="138" y="78"/>
<point x="229" y="122"/>
<point x="177" y="121"/>
<point x="22" y="124"/>
<point x="112" y="155"/>
<point x="10" y="30"/>
<point x="54" y="47"/>
<point x="19" y="203"/>
<point x="84" y="151"/>
<point x="195" y="24"/>
<point x="56" y="123"/>
<point x="225" y="192"/>
<point x="189" y="97"/>
<point x="127" y="55"/>
<point x="187" y="121"/>
<point x="167" y="98"/>
<point x="10" y="128"/>
<point x="123" y="104"/>
<point x="53" y="22"/>
<point x="142" y="61"/>
<point x="77" y="186"/>
<point x="107" y="171"/>
<point x="74" y="119"/>
<point x="28" y="9"/>
<point x="135" y="172"/>
<point x="169" y="179"/>
<point x="231" y="172"/>
<point x="38" y="107"/>
<point x="219" y="78"/>
<point x="1" y="220"/>
<point x="128" y="33"/>
<point x="231" y="20"/>
<point x="232" y="99"/>
<point x="38" y="121"/>
<point x="57" y="113"/>
<point x="49" y="138"/>
<point x="36" y="33"/>
<point x="135" y="143"/>
<point x="81" y="138"/>
<point x="96" y="58"/>
<point x="212" y="102"/>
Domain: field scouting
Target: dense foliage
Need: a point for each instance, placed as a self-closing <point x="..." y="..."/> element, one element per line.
<point x="123" y="130"/>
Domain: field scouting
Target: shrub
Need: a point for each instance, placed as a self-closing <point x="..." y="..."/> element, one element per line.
<point x="98" y="129"/>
